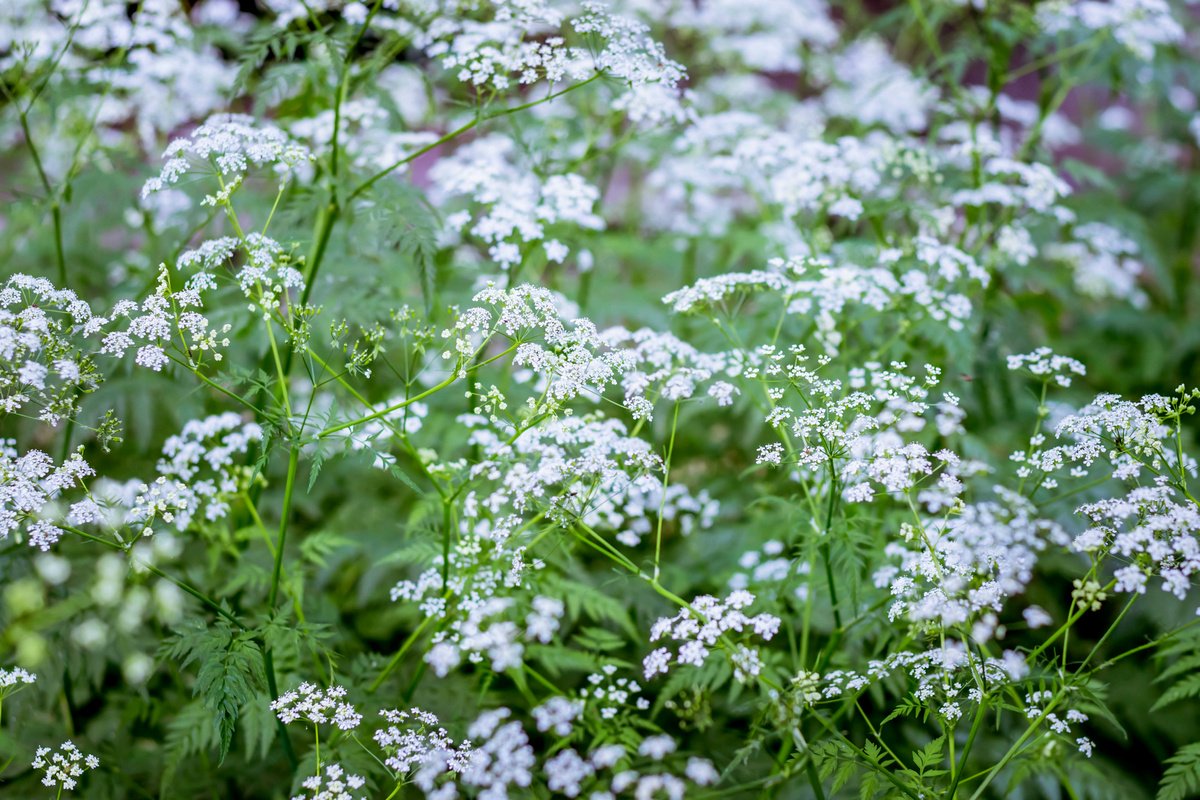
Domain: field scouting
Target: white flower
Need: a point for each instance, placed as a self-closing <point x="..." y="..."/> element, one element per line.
<point x="318" y="706"/>
<point x="63" y="767"/>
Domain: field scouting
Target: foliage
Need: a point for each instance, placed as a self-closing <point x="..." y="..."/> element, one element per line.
<point x="524" y="398"/>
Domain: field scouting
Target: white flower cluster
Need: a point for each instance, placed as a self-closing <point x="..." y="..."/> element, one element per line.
<point x="1016" y="185"/>
<point x="43" y="360"/>
<point x="335" y="784"/>
<point x="1128" y="435"/>
<point x="1140" y="25"/>
<point x="1153" y="531"/>
<point x="168" y="76"/>
<point x="503" y="760"/>
<point x="266" y="276"/>
<point x="874" y="89"/>
<point x="13" y="679"/>
<point x="864" y="432"/>
<point x="948" y="672"/>
<point x="957" y="573"/>
<point x="1036" y="707"/>
<point x="919" y="284"/>
<point x="768" y="36"/>
<point x="706" y="622"/>
<point x="477" y="629"/>
<point x="734" y="165"/>
<point x="610" y="695"/>
<point x="64" y="766"/>
<point x="414" y="737"/>
<point x="415" y="744"/>
<point x="524" y="41"/>
<point x="662" y="367"/>
<point x="28" y="485"/>
<point x="162" y="317"/>
<point x="228" y="145"/>
<point x="198" y="473"/>
<point x="509" y="44"/>
<point x="516" y="206"/>
<point x="310" y="703"/>
<point x="583" y="468"/>
<point x="568" y="772"/>
<point x="568" y="362"/>
<point x="1104" y="262"/>
<point x="1043" y="363"/>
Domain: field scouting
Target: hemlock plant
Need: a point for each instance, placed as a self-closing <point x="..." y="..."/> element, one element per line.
<point x="524" y="398"/>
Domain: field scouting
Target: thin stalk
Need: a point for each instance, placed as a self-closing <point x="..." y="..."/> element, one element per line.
<point x="183" y="585"/>
<point x="383" y="173"/>
<point x="454" y="376"/>
<point x="395" y="660"/>
<point x="666" y="482"/>
<point x="289" y="486"/>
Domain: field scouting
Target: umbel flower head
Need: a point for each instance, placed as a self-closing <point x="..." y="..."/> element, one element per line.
<point x="13" y="680"/>
<point x="64" y="766"/>
<point x="318" y="706"/>
<point x="228" y="145"/>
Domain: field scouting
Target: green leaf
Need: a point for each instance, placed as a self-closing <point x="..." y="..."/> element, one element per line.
<point x="594" y="638"/>
<point x="230" y="671"/>
<point x="189" y="733"/>
<point x="1188" y="687"/>
<point x="258" y="726"/>
<point x="585" y="600"/>
<point x="1182" y="778"/>
<point x="929" y="755"/>
<point x="316" y="547"/>
<point x="226" y="681"/>
<point x="404" y="221"/>
<point x="557" y="660"/>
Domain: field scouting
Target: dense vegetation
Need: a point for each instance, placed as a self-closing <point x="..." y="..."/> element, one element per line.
<point x="653" y="399"/>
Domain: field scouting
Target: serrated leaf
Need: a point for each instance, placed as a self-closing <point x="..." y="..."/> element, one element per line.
<point x="585" y="600"/>
<point x="315" y="547"/>
<point x="225" y="681"/>
<point x="1188" y="687"/>
<point x="1182" y="779"/>
<point x="258" y="726"/>
<point x="594" y="638"/>
<point x="929" y="755"/>
<point x="188" y="734"/>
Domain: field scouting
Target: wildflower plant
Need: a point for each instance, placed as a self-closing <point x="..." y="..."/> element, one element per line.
<point x="525" y="398"/>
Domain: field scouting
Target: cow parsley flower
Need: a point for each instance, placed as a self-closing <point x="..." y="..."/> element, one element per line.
<point x="335" y="784"/>
<point x="46" y="360"/>
<point x="1043" y="363"/>
<point x="310" y="703"/>
<point x="228" y="146"/>
<point x="1104" y="261"/>
<point x="1140" y="25"/>
<point x="14" y="679"/>
<point x="515" y="207"/>
<point x="62" y="768"/>
<point x="201" y="469"/>
<point x="28" y="485"/>
<point x="702" y="625"/>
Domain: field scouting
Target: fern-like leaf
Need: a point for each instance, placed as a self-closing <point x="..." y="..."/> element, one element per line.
<point x="1182" y="778"/>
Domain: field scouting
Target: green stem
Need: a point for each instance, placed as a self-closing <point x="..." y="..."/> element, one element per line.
<point x="455" y="375"/>
<point x="662" y="503"/>
<point x="395" y="660"/>
<point x="289" y="486"/>
<point x="183" y="585"/>
<point x="383" y="173"/>
<point x="962" y="763"/>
